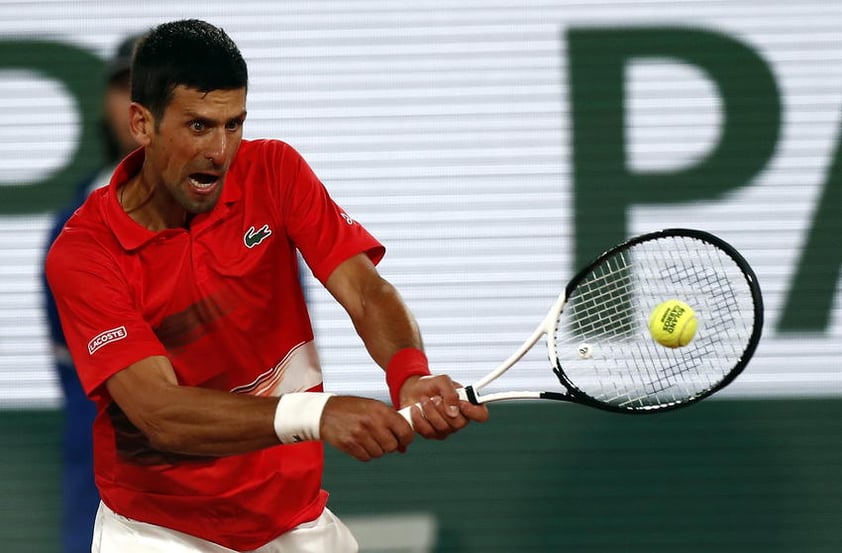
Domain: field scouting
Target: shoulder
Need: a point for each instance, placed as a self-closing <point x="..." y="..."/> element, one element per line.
<point x="80" y="263"/>
<point x="59" y="220"/>
<point x="263" y="145"/>
<point x="80" y="194"/>
<point x="268" y="164"/>
<point x="82" y="233"/>
<point x="270" y="152"/>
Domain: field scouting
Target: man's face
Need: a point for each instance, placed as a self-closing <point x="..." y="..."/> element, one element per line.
<point x="191" y="147"/>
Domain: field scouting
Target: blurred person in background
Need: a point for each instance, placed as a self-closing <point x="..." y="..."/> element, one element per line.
<point x="79" y="495"/>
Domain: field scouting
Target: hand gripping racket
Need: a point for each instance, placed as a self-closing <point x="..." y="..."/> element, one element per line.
<point x="598" y="337"/>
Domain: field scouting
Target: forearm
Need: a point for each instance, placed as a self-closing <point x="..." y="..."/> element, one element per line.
<point x="198" y="421"/>
<point x="385" y="323"/>
<point x="393" y="340"/>
<point x="191" y="420"/>
<point x="382" y="319"/>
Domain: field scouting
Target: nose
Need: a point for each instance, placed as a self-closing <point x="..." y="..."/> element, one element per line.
<point x="215" y="149"/>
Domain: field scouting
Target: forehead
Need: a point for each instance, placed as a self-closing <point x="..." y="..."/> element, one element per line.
<point x="216" y="104"/>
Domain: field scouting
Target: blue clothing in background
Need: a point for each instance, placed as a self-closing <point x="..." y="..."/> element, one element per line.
<point x="79" y="495"/>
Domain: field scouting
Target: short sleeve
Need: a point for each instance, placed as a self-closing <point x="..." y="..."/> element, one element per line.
<point x="324" y="233"/>
<point x="105" y="333"/>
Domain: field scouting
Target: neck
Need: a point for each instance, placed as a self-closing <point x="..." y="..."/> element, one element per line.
<point x="147" y="205"/>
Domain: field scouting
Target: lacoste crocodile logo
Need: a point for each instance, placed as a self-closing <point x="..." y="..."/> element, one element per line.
<point x="253" y="237"/>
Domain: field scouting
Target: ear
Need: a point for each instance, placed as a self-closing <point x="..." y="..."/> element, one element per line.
<point x="141" y="124"/>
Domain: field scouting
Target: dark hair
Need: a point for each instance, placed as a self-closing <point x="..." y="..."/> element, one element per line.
<point x="189" y="52"/>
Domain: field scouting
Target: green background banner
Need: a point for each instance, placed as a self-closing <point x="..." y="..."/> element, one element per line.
<point x="729" y="476"/>
<point x="78" y="71"/>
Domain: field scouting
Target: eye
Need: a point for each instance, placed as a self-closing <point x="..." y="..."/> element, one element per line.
<point x="233" y="125"/>
<point x="197" y="126"/>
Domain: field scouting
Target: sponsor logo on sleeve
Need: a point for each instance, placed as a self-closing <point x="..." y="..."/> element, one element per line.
<point x="106" y="337"/>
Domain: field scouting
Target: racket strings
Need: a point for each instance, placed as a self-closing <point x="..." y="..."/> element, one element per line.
<point x="600" y="304"/>
<point x="609" y="309"/>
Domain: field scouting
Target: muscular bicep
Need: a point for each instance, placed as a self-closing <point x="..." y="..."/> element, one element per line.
<point x="187" y="419"/>
<point x="142" y="390"/>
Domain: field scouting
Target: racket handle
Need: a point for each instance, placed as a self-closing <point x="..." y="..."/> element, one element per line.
<point x="464" y="394"/>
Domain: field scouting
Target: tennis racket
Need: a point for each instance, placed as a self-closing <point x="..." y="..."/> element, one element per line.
<point x="597" y="332"/>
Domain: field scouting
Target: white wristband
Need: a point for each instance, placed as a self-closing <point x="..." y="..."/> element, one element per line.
<point x="298" y="416"/>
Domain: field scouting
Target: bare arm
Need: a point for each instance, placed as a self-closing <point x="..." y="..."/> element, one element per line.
<point x="386" y="325"/>
<point x="199" y="421"/>
<point x="379" y="314"/>
<point x="189" y="420"/>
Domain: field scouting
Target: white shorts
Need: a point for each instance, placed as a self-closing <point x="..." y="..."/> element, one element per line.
<point x="115" y="533"/>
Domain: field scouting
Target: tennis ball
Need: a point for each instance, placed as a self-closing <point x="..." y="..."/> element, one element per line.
<point x="673" y="323"/>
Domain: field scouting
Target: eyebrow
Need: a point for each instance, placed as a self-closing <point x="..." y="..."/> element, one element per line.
<point x="193" y="116"/>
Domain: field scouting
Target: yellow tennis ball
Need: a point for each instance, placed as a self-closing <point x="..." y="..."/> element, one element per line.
<point x="673" y="323"/>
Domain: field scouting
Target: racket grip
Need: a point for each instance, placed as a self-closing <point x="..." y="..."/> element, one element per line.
<point x="406" y="412"/>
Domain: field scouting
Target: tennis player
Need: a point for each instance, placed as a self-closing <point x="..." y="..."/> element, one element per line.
<point x="178" y="291"/>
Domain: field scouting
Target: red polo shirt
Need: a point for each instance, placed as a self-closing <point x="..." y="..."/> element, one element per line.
<point x="222" y="301"/>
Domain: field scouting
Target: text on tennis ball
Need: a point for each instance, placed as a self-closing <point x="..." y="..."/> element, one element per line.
<point x="673" y="324"/>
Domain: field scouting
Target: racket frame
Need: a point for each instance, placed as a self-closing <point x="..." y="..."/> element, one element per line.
<point x="547" y="328"/>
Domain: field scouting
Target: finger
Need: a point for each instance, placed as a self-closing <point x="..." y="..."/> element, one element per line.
<point x="437" y="421"/>
<point x="391" y="432"/>
<point x="404" y="432"/>
<point x="401" y="431"/>
<point x="452" y="400"/>
<point x="420" y="424"/>
<point x="477" y="413"/>
<point x="373" y="447"/>
<point x="451" y="413"/>
<point x="453" y="410"/>
<point x="450" y="416"/>
<point x="356" y="451"/>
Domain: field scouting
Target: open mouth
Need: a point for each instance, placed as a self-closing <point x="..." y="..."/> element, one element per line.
<point x="203" y="181"/>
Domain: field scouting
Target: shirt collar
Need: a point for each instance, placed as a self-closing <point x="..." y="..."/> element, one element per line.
<point x="131" y="234"/>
